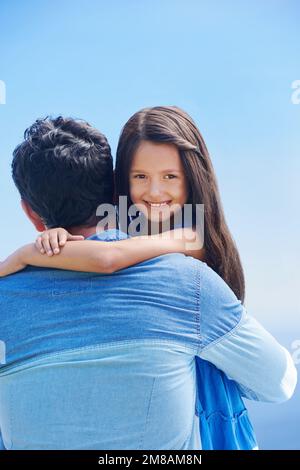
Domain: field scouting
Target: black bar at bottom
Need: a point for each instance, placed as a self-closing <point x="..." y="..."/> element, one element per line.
<point x="132" y="459"/>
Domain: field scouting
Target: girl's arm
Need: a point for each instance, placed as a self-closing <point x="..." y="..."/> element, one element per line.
<point x="106" y="257"/>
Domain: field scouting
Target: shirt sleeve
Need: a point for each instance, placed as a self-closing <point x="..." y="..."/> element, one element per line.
<point x="239" y="345"/>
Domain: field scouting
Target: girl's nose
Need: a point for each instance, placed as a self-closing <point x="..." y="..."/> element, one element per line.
<point x="154" y="190"/>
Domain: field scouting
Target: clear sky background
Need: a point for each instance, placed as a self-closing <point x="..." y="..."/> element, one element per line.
<point x="231" y="65"/>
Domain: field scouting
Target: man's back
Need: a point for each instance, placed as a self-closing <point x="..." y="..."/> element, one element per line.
<point x="100" y="361"/>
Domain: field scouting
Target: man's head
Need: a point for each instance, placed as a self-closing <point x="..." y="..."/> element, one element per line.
<point x="63" y="170"/>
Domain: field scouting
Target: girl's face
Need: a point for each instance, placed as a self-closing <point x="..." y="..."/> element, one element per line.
<point x="157" y="180"/>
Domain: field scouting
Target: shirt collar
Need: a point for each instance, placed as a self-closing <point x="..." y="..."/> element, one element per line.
<point x="111" y="235"/>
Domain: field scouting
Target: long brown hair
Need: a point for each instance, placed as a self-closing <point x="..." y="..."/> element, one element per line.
<point x="169" y="124"/>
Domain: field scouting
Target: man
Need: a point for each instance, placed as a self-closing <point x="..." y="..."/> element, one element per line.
<point x="91" y="361"/>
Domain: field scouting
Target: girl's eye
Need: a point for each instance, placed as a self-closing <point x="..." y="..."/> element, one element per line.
<point x="170" y="177"/>
<point x="139" y="177"/>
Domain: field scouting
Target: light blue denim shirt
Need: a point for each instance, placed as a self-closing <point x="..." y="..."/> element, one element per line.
<point x="91" y="361"/>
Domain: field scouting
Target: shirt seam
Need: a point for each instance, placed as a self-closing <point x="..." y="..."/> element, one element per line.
<point x="198" y="310"/>
<point x="226" y="335"/>
<point x="116" y="344"/>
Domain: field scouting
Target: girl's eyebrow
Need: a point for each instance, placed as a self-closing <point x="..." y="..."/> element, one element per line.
<point x="163" y="171"/>
<point x="137" y="171"/>
<point x="171" y="171"/>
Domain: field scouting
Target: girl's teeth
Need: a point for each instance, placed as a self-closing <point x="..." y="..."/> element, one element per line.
<point x="158" y="205"/>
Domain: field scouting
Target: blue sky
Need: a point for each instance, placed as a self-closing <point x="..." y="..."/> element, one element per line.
<point x="230" y="64"/>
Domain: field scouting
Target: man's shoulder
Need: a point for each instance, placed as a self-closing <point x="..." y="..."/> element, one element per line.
<point x="172" y="264"/>
<point x="30" y="278"/>
<point x="187" y="268"/>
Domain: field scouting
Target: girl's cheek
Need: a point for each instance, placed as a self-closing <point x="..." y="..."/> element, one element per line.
<point x="134" y="194"/>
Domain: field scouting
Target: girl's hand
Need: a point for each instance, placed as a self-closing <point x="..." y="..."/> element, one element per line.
<point x="50" y="240"/>
<point x="12" y="264"/>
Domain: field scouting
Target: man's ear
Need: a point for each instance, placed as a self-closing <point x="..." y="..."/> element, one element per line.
<point x="33" y="216"/>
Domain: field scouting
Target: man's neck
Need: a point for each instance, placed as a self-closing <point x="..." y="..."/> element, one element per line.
<point x="86" y="231"/>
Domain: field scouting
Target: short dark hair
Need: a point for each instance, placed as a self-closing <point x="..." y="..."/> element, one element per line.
<point x="64" y="169"/>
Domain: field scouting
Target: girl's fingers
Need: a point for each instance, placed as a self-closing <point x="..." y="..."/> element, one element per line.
<point x="46" y="245"/>
<point x="62" y="237"/>
<point x="39" y="246"/>
<point x="75" y="237"/>
<point x="50" y="241"/>
<point x="53" y="240"/>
